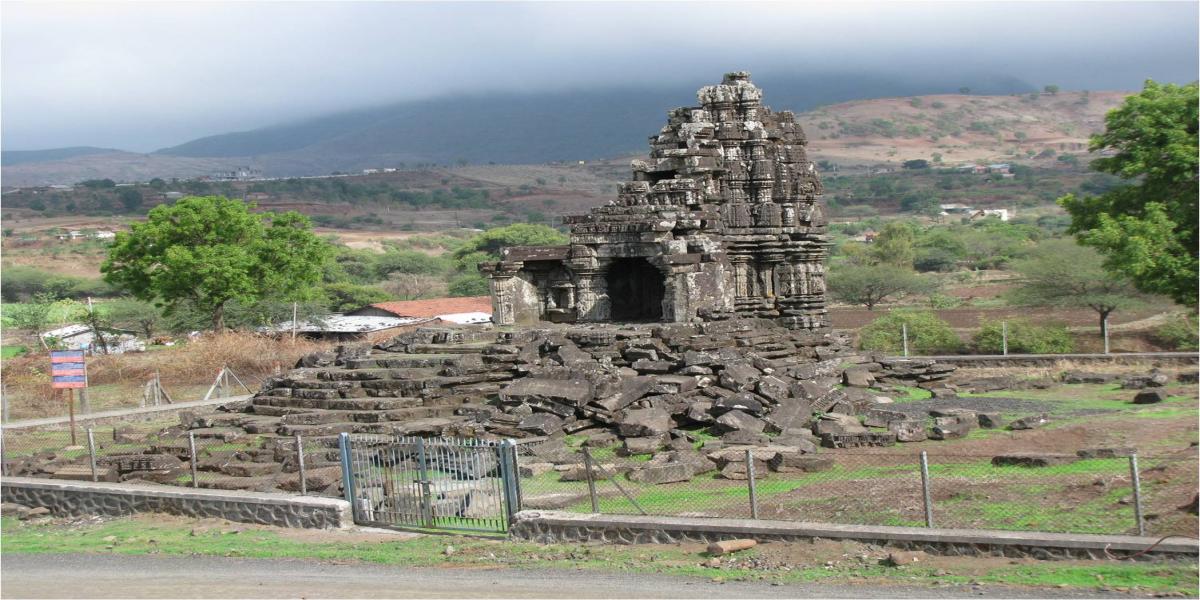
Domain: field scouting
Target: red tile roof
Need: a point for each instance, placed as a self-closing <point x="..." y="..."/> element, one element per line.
<point x="436" y="306"/>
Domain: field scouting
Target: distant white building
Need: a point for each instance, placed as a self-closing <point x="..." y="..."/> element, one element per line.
<point x="104" y="235"/>
<point x="1001" y="213"/>
<point x="81" y="337"/>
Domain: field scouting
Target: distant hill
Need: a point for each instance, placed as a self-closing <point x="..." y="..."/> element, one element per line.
<point x="960" y="128"/>
<point x="509" y="128"/>
<point x="9" y="158"/>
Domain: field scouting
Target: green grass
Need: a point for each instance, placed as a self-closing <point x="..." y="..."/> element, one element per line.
<point x="143" y="535"/>
<point x="12" y="351"/>
<point x="911" y="394"/>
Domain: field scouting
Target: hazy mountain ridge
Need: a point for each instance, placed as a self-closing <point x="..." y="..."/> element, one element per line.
<point x="509" y="128"/>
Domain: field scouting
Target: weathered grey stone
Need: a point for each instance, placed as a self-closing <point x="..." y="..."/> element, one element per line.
<point x="1111" y="452"/>
<point x="794" y="462"/>
<point x="744" y="402"/>
<point x="1150" y="397"/>
<point x="644" y="445"/>
<point x="1030" y="422"/>
<point x="908" y="431"/>
<point x="858" y="377"/>
<point x="834" y="423"/>
<point x="989" y="420"/>
<point x="644" y="422"/>
<point x="541" y="424"/>
<point x="736" y="420"/>
<point x="665" y="473"/>
<point x="575" y="392"/>
<point x="1032" y="459"/>
<point x="739" y="376"/>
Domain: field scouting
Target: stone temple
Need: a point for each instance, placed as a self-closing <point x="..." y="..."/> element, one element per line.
<point x="723" y="221"/>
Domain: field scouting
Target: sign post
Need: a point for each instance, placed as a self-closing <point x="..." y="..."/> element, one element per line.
<point x="68" y="371"/>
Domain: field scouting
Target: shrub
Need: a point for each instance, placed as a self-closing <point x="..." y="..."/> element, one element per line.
<point x="1179" y="333"/>
<point x="927" y="334"/>
<point x="1023" y="338"/>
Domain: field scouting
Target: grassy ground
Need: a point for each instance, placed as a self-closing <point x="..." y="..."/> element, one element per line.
<point x="775" y="562"/>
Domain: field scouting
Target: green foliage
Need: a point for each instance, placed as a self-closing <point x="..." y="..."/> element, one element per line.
<point x="1063" y="273"/>
<point x="927" y="334"/>
<point x="1146" y="229"/>
<point x="917" y="163"/>
<point x="409" y="262"/>
<point x="469" y="284"/>
<point x="132" y="314"/>
<point x="1024" y="338"/>
<point x="870" y="285"/>
<point x="1051" y="89"/>
<point x="487" y="245"/>
<point x="895" y="245"/>
<point x="342" y="297"/>
<point x="1179" y="333"/>
<point x="20" y="283"/>
<point x="209" y="251"/>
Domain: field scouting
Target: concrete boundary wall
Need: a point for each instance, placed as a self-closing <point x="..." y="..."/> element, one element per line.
<point x="561" y="527"/>
<point x="1045" y="360"/>
<point x="77" y="498"/>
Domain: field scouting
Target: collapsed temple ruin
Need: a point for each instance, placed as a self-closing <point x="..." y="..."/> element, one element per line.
<point x="722" y="221"/>
<point x="684" y="321"/>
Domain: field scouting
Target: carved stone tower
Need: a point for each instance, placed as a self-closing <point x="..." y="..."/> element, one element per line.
<point x="722" y="221"/>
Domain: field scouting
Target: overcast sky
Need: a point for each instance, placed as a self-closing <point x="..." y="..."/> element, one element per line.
<point x="144" y="75"/>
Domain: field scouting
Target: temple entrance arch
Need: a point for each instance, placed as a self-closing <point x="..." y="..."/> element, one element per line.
<point x="635" y="290"/>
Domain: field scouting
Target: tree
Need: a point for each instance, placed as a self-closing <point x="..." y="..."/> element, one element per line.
<point x="210" y="251"/>
<point x="1063" y="273"/>
<point x="1023" y="337"/>
<point x="32" y="316"/>
<point x="895" y="245"/>
<point x="131" y="199"/>
<point x="128" y="313"/>
<point x="349" y="296"/>
<point x="871" y="285"/>
<point x="1051" y="89"/>
<point x="916" y="163"/>
<point x="1146" y="229"/>
<point x="412" y="286"/>
<point x="964" y="90"/>
<point x="927" y="334"/>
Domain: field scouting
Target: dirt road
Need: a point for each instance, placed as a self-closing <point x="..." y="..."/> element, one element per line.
<point x="111" y="576"/>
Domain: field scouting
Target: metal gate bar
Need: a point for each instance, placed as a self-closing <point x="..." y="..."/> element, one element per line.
<point x="440" y="483"/>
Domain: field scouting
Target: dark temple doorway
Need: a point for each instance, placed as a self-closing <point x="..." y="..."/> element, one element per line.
<point x="635" y="290"/>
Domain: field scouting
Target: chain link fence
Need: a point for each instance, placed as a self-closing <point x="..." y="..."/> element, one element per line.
<point x="170" y="455"/>
<point x="1055" y="493"/>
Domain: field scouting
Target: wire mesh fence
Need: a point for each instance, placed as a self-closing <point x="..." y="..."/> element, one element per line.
<point x="1055" y="493"/>
<point x="170" y="455"/>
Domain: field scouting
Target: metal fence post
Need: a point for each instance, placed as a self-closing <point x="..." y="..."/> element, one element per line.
<point x="904" y="336"/>
<point x="300" y="464"/>
<point x="1004" y="337"/>
<point x="347" y="472"/>
<point x="426" y="496"/>
<point x="1137" y="493"/>
<point x="925" y="489"/>
<point x="194" y="458"/>
<point x="750" y="480"/>
<point x="3" y="454"/>
<point x="92" y="453"/>
<point x="591" y="480"/>
<point x="510" y="478"/>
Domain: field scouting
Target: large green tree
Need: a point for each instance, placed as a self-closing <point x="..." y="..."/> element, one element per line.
<point x="209" y="251"/>
<point x="1063" y="273"/>
<point x="1146" y="229"/>
<point x="870" y="285"/>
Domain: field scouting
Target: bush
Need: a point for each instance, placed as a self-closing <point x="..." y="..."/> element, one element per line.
<point x="927" y="334"/>
<point x="1023" y="338"/>
<point x="1179" y="333"/>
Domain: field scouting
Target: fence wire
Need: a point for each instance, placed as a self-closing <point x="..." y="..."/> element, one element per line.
<point x="1047" y="493"/>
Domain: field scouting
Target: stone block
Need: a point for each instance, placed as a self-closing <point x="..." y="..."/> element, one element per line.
<point x="1150" y="397"/>
<point x="989" y="420"/>
<point x="660" y="474"/>
<point x="908" y="430"/>
<point x="644" y="422"/>
<point x="1033" y="459"/>
<point x="793" y="462"/>
<point x="744" y="401"/>
<point x="858" y="377"/>
<point x="541" y="424"/>
<point x="736" y="420"/>
<point x="1030" y="422"/>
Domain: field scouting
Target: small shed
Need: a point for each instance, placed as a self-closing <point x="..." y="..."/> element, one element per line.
<point x="466" y="310"/>
<point x="347" y="327"/>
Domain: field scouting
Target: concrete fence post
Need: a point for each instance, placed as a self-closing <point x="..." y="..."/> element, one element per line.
<point x="300" y="464"/>
<point x="904" y="337"/>
<point x="750" y="484"/>
<point x="85" y="407"/>
<point x="347" y="473"/>
<point x="1004" y="337"/>
<point x="510" y="478"/>
<point x="92" y="452"/>
<point x="194" y="458"/>
<point x="591" y="480"/>
<point x="1136" y="482"/>
<point x="928" y="496"/>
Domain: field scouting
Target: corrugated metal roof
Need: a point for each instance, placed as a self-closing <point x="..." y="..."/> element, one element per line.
<point x="346" y="324"/>
<point x="468" y="318"/>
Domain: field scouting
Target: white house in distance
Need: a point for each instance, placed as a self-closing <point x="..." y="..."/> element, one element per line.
<point x="81" y="337"/>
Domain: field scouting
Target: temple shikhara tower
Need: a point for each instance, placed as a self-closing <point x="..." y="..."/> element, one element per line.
<point x="722" y="221"/>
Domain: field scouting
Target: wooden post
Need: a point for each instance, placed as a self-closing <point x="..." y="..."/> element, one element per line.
<point x="71" y="413"/>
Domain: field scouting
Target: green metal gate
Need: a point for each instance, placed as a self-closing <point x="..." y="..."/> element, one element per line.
<point x="432" y="483"/>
